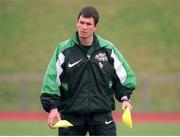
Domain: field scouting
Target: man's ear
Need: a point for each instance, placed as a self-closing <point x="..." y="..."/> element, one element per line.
<point x="76" y="23"/>
<point x="96" y="26"/>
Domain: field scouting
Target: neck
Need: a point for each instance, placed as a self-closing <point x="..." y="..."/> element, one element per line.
<point x="86" y="41"/>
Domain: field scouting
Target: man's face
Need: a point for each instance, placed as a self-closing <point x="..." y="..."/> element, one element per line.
<point x="85" y="27"/>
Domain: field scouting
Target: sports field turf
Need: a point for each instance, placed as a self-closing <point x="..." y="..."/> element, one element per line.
<point x="147" y="33"/>
<point x="41" y="128"/>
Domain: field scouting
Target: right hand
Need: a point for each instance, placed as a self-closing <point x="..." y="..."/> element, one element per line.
<point x="53" y="117"/>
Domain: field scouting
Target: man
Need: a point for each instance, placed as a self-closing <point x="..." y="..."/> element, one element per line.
<point x="82" y="78"/>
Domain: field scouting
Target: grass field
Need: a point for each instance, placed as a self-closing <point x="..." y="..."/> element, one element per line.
<point x="34" y="123"/>
<point x="147" y="33"/>
<point x="41" y="129"/>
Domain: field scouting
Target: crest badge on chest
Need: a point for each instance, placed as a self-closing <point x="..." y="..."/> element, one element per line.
<point x="101" y="57"/>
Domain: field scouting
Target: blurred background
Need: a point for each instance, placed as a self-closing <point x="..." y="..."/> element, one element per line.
<point x="147" y="33"/>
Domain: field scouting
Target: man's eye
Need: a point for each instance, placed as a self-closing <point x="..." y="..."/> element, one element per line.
<point x="81" y="22"/>
<point x="89" y="24"/>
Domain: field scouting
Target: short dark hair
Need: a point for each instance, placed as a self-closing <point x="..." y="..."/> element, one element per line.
<point x="88" y="12"/>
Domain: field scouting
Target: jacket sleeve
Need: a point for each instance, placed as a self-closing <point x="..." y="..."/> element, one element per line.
<point x="124" y="80"/>
<point x="50" y="92"/>
<point x="49" y="101"/>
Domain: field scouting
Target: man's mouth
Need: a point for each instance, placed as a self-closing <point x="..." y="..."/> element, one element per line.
<point x="83" y="32"/>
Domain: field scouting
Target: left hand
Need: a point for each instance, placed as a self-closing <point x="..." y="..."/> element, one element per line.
<point x="126" y="104"/>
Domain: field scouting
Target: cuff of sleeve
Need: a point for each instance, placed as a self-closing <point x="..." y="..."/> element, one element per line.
<point x="124" y="98"/>
<point x="52" y="107"/>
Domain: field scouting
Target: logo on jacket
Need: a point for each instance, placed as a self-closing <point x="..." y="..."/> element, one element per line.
<point x="73" y="64"/>
<point x="108" y="122"/>
<point x="101" y="57"/>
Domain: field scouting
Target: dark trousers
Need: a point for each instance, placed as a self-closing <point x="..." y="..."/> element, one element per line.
<point x="97" y="124"/>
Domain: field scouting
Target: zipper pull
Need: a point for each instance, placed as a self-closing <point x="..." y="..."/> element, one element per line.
<point x="88" y="56"/>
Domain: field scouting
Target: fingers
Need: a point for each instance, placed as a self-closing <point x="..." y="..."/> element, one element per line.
<point x="53" y="118"/>
<point x="126" y="104"/>
<point x="51" y="124"/>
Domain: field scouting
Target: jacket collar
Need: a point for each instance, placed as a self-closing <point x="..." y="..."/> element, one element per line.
<point x="97" y="40"/>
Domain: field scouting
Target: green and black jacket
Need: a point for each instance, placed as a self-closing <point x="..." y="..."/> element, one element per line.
<point x="85" y="82"/>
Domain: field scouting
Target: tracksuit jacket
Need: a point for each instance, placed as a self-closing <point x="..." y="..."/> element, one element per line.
<point x="80" y="82"/>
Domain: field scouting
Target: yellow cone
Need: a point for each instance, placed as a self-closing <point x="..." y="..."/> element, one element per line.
<point x="63" y="124"/>
<point x="126" y="118"/>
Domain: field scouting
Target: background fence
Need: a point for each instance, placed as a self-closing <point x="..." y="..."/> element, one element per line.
<point x="143" y="97"/>
<point x="146" y="32"/>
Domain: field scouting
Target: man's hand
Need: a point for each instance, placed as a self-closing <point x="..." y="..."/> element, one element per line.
<point x="53" y="117"/>
<point x="126" y="104"/>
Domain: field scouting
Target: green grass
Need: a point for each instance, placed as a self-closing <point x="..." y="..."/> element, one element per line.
<point x="150" y="129"/>
<point x="41" y="129"/>
<point x="20" y="96"/>
<point x="25" y="129"/>
<point x="147" y="33"/>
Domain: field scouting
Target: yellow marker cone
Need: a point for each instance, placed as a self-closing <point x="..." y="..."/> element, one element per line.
<point x="126" y="118"/>
<point x="63" y="124"/>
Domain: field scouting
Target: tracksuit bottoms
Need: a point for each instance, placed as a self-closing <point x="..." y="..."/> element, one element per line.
<point x="97" y="124"/>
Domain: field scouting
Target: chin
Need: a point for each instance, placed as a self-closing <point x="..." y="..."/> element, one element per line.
<point x="83" y="36"/>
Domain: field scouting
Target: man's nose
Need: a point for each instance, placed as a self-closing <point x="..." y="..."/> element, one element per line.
<point x="84" y="26"/>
